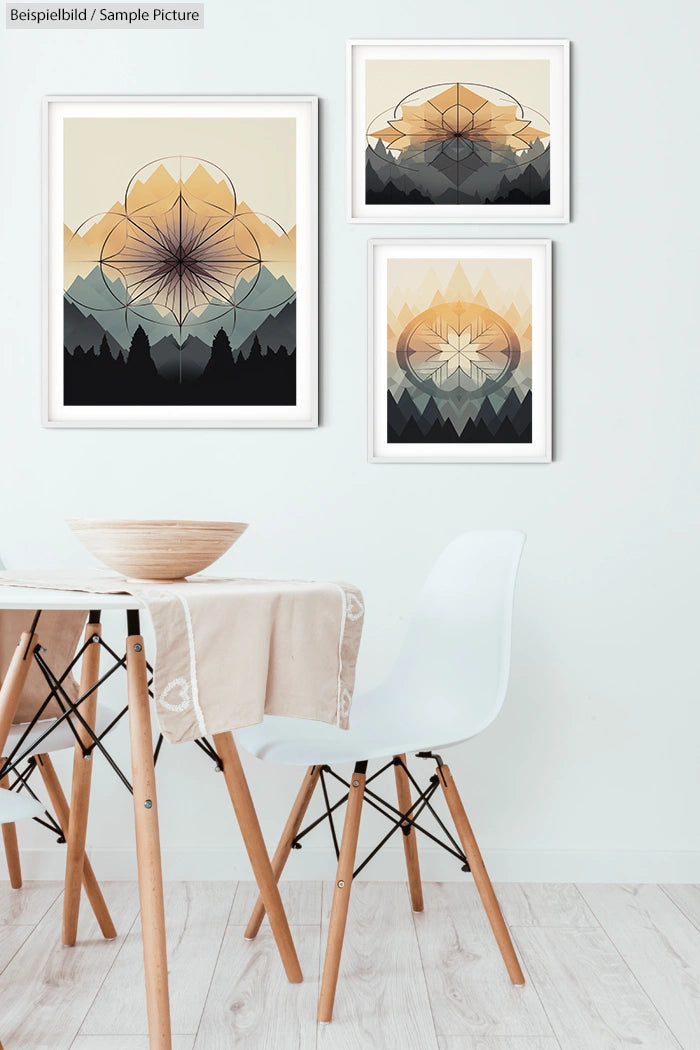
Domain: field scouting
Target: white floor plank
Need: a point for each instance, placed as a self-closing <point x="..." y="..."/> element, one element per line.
<point x="591" y="997"/>
<point x="632" y="981"/>
<point x="302" y="903"/>
<point x="126" y="1042"/>
<point x="381" y="975"/>
<point x="661" y="947"/>
<point x="196" y="914"/>
<point x="47" y="989"/>
<point x="497" y="1042"/>
<point x="252" y="1005"/>
<point x="687" y="898"/>
<point x="11" y="940"/>
<point x="28" y="905"/>
<point x="470" y="991"/>
<point x="544" y="904"/>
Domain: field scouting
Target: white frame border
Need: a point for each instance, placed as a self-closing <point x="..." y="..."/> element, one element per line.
<point x="376" y="381"/>
<point x="305" y="412"/>
<point x="439" y="213"/>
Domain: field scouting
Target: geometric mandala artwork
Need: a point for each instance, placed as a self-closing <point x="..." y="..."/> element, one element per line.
<point x="461" y="354"/>
<point x="445" y="130"/>
<point x="458" y="144"/>
<point x="182" y="247"/>
<point x="457" y="351"/>
<point x="467" y="137"/>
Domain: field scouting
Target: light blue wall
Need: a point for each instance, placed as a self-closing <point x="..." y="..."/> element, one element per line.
<point x="596" y="749"/>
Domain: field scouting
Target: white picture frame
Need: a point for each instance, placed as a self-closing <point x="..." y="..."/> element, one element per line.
<point x="294" y="117"/>
<point x="421" y="392"/>
<point x="411" y="72"/>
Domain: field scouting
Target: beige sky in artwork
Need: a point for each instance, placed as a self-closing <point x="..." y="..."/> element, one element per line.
<point x="414" y="282"/>
<point x="387" y="81"/>
<point x="101" y="155"/>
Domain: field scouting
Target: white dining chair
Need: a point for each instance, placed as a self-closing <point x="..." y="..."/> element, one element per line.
<point x="15" y="807"/>
<point x="448" y="684"/>
<point x="44" y="725"/>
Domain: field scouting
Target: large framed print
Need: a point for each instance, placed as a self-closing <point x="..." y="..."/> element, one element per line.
<point x="458" y="130"/>
<point x="181" y="261"/>
<point x="460" y="351"/>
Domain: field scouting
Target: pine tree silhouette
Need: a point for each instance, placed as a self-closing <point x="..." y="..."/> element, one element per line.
<point x="219" y="368"/>
<point x="139" y="365"/>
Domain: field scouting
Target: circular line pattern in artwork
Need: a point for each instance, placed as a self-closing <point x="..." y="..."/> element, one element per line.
<point x="460" y="137"/>
<point x="458" y="351"/>
<point x="180" y="244"/>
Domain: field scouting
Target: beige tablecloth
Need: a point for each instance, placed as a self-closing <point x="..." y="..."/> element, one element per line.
<point x="229" y="651"/>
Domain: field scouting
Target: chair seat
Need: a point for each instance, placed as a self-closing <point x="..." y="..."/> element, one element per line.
<point x="298" y="742"/>
<point x="16" y="807"/>
<point x="61" y="737"/>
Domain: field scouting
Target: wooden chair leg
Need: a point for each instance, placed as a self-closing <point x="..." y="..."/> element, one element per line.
<point x="410" y="845"/>
<point x="80" y="788"/>
<point x="341" y="893"/>
<point x="59" y="804"/>
<point x="10" y="693"/>
<point x="244" y="809"/>
<point x="481" y="878"/>
<point x="13" y="684"/>
<point x="150" y="872"/>
<point x="284" y="847"/>
<point x="9" y="839"/>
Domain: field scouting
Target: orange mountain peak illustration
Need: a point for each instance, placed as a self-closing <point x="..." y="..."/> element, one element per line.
<point x="458" y="112"/>
<point x="208" y="189"/>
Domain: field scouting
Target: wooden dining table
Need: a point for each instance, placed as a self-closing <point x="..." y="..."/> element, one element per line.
<point x="35" y="601"/>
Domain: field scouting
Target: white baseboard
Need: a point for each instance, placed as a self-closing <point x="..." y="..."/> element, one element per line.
<point x="436" y="866"/>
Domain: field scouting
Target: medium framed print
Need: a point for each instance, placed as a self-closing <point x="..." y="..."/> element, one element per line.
<point x="460" y="358"/>
<point x="458" y="130"/>
<point x="181" y="261"/>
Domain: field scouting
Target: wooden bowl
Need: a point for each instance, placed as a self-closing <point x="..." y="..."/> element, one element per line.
<point x="156" y="550"/>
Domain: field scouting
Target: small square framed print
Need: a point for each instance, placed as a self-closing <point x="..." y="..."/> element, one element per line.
<point x="460" y="351"/>
<point x="458" y="131"/>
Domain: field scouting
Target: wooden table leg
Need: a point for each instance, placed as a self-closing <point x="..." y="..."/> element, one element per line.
<point x="61" y="810"/>
<point x="341" y="893"/>
<point x="257" y="853"/>
<point x="481" y="878"/>
<point x="410" y="845"/>
<point x="80" y="787"/>
<point x="148" y="847"/>
<point x="9" y="840"/>
<point x="284" y="847"/>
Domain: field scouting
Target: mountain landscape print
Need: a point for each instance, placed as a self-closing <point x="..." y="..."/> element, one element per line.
<point x="464" y="340"/>
<point x="445" y="130"/>
<point x="180" y="267"/>
<point x="459" y="351"/>
<point x="457" y="143"/>
<point x="189" y="299"/>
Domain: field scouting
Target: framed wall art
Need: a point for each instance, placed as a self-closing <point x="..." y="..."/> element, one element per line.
<point x="460" y="351"/>
<point x="450" y="130"/>
<point x="181" y="248"/>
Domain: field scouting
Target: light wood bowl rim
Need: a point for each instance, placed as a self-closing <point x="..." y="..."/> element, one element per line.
<point x="138" y="523"/>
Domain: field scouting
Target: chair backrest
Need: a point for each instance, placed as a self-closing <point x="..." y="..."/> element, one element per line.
<point x="453" y="666"/>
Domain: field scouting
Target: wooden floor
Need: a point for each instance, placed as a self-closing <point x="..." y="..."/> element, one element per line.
<point x="606" y="967"/>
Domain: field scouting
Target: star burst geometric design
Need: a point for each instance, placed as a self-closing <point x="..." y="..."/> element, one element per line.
<point x="457" y="128"/>
<point x="181" y="247"/>
<point x="182" y="259"/>
<point x="458" y="351"/>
